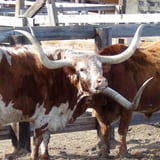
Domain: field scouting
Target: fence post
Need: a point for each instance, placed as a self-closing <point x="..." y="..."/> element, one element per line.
<point x="52" y="12"/>
<point x="102" y="39"/>
<point x="20" y="133"/>
<point x="19" y="7"/>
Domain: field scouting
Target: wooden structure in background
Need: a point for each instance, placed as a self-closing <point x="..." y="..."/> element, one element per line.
<point x="149" y="6"/>
<point x="19" y="7"/>
<point x="51" y="12"/>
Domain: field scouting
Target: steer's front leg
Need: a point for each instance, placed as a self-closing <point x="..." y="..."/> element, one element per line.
<point x="125" y="119"/>
<point x="35" y="150"/>
<point x="44" y="155"/>
<point x="104" y="140"/>
<point x="38" y="137"/>
<point x="104" y="135"/>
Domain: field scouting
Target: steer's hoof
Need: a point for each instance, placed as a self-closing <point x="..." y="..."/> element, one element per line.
<point x="103" y="152"/>
<point x="122" y="151"/>
<point x="16" y="154"/>
<point x="44" y="156"/>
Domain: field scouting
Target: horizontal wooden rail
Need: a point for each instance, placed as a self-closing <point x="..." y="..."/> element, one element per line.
<point x="90" y="19"/>
<point x="61" y="7"/>
<point x="5" y="132"/>
<point x="81" y="32"/>
<point x="71" y="7"/>
<point x="100" y="18"/>
<point x="81" y="124"/>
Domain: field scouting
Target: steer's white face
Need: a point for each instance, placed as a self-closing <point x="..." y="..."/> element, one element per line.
<point x="89" y="72"/>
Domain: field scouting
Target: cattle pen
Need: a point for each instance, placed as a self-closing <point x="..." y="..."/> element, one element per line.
<point x="88" y="28"/>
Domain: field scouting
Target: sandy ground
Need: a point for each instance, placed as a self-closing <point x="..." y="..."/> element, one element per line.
<point x="143" y="143"/>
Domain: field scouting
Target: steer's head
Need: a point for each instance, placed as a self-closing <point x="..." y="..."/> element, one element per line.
<point x="88" y="68"/>
<point x="86" y="72"/>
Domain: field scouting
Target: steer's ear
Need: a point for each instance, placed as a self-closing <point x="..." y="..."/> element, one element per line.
<point x="71" y="73"/>
<point x="69" y="70"/>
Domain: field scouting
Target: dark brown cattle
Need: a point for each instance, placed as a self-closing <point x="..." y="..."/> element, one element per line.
<point x="46" y="97"/>
<point x="46" y="92"/>
<point x="126" y="79"/>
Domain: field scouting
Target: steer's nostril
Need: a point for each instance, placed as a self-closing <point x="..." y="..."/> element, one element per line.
<point x="99" y="81"/>
<point x="102" y="82"/>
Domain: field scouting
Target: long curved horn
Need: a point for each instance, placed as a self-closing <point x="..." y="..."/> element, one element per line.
<point x="123" y="101"/>
<point x="127" y="53"/>
<point x="43" y="58"/>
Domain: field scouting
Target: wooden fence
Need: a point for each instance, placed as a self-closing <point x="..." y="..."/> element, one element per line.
<point x="51" y="14"/>
<point x="43" y="33"/>
<point x="73" y="13"/>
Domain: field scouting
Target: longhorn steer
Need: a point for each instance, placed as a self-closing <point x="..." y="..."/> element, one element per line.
<point x="126" y="79"/>
<point x="46" y="92"/>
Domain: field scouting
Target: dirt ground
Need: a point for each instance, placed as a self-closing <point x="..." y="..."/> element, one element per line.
<point x="143" y="143"/>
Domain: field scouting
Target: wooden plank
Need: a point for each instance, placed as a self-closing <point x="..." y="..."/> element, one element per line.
<point x="19" y="7"/>
<point x="89" y="32"/>
<point x="137" y="118"/>
<point x="7" y="2"/>
<point x="81" y="32"/>
<point x="62" y="4"/>
<point x="54" y="33"/>
<point x="52" y="13"/>
<point x="14" y="21"/>
<point x="14" y="2"/>
<point x="10" y="21"/>
<point x="86" y="8"/>
<point x="7" y="11"/>
<point x="4" y="132"/>
<point x="81" y="124"/>
<point x="99" y="18"/>
<point x="112" y="18"/>
<point x="74" y="8"/>
<point x="65" y="7"/>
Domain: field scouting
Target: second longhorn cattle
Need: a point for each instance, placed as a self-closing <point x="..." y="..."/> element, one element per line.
<point x="126" y="79"/>
<point x="46" y="92"/>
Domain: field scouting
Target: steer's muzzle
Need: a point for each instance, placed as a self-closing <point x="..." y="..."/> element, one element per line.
<point x="100" y="83"/>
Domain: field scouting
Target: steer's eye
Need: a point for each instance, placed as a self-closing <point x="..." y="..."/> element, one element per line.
<point x="81" y="69"/>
